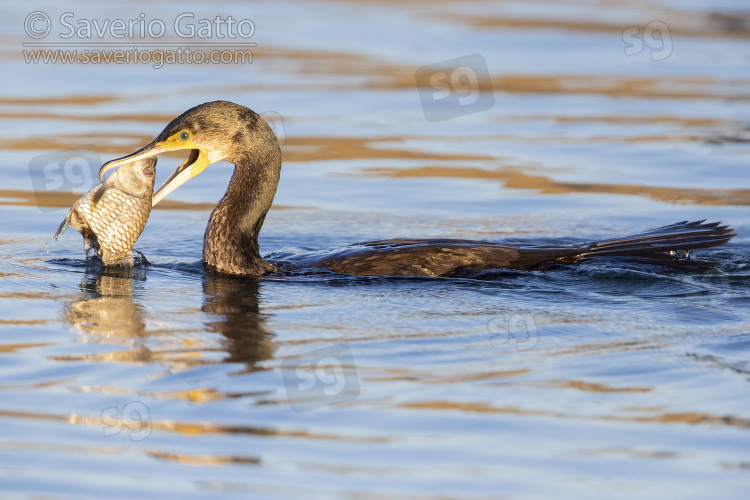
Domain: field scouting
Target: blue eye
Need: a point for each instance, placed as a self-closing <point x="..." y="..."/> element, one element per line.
<point x="184" y="136"/>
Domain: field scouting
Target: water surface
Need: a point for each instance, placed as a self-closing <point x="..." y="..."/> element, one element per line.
<point x="595" y="381"/>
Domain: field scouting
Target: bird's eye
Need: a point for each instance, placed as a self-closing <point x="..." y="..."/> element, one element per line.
<point x="184" y="135"/>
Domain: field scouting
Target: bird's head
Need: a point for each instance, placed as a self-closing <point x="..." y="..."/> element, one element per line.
<point x="213" y="131"/>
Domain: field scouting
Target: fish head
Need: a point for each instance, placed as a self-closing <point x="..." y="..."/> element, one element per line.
<point x="135" y="178"/>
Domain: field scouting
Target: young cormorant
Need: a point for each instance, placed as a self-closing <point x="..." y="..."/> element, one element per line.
<point x="222" y="130"/>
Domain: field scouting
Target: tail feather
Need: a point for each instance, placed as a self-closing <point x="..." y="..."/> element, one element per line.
<point x="659" y="244"/>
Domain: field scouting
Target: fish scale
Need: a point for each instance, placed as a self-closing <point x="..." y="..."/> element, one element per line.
<point x="112" y="215"/>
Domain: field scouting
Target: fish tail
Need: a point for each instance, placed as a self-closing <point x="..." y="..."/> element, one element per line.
<point x="63" y="226"/>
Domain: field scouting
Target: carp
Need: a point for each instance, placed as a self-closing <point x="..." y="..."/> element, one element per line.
<point x="112" y="215"/>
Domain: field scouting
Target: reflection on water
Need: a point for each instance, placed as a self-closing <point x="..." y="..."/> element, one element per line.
<point x="107" y="311"/>
<point x="635" y="383"/>
<point x="233" y="311"/>
<point x="515" y="178"/>
<point x="106" y="307"/>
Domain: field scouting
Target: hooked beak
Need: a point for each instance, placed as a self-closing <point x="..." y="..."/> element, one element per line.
<point x="194" y="165"/>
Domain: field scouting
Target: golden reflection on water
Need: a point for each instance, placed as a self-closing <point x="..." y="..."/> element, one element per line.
<point x="199" y="428"/>
<point x="659" y="416"/>
<point x="316" y="148"/>
<point x="683" y="22"/>
<point x="203" y="460"/>
<point x="107" y="308"/>
<point x="63" y="199"/>
<point x="231" y="324"/>
<point x="514" y="178"/>
<point x="105" y="311"/>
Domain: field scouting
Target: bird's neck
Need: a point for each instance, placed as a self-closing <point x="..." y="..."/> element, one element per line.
<point x="230" y="245"/>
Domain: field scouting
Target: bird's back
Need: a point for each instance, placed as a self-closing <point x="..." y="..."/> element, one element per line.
<point x="665" y="246"/>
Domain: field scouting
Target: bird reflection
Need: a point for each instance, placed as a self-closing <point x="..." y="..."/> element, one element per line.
<point x="107" y="312"/>
<point x="232" y="307"/>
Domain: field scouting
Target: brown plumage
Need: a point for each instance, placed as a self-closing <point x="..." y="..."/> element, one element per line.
<point x="469" y="258"/>
<point x="222" y="130"/>
<point x="112" y="215"/>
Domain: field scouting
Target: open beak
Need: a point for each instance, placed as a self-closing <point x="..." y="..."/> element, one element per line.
<point x="194" y="165"/>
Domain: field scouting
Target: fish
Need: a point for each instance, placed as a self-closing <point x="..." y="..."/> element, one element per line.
<point x="112" y="215"/>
